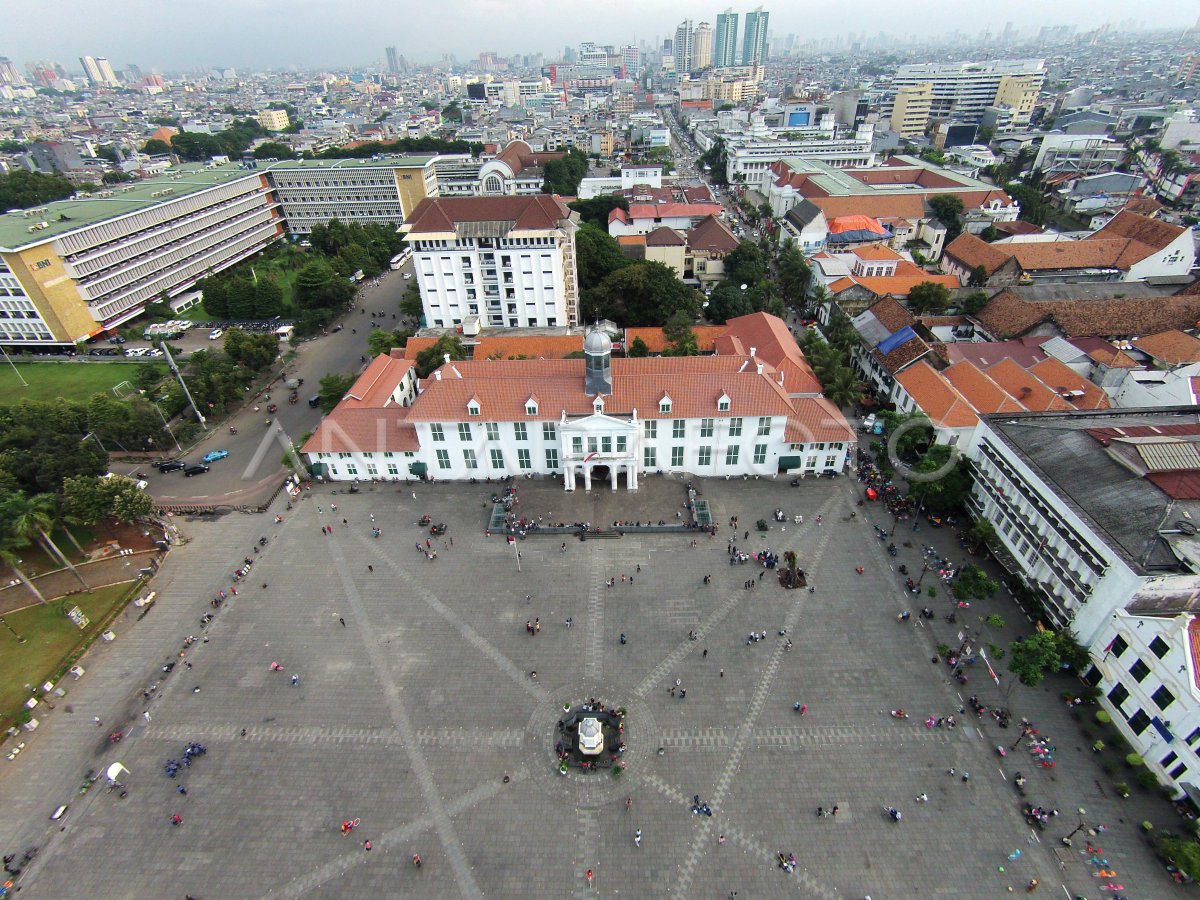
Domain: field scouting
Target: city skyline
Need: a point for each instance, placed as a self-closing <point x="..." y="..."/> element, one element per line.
<point x="148" y="38"/>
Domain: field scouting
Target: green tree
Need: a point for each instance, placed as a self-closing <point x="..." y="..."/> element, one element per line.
<point x="717" y="160"/>
<point x="973" y="303"/>
<point x="319" y="287"/>
<point x="643" y="293"/>
<point x="116" y="178"/>
<point x="20" y="189"/>
<point x="947" y="493"/>
<point x="1033" y="205"/>
<point x="333" y="388"/>
<point x="274" y="150"/>
<point x="241" y="297"/>
<point x="452" y="112"/>
<point x="794" y="274"/>
<point x="92" y="499"/>
<point x="10" y="547"/>
<point x="434" y="356"/>
<point x="410" y="304"/>
<point x="928" y="297"/>
<point x="638" y="349"/>
<point x="562" y="176"/>
<point x="196" y="147"/>
<point x="32" y="518"/>
<point x="597" y="255"/>
<point x="746" y="264"/>
<point x="680" y="336"/>
<point x="981" y="534"/>
<point x="214" y="292"/>
<point x="595" y="211"/>
<point x="843" y="388"/>
<point x="380" y="342"/>
<point x="727" y="301"/>
<point x="1033" y="657"/>
<point x="974" y="584"/>
<point x="254" y="351"/>
<point x="147" y="376"/>
<point x="949" y="210"/>
<point x="979" y="276"/>
<point x="268" y="297"/>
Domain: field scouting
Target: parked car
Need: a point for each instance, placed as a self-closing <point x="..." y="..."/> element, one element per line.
<point x="407" y="275"/>
<point x="171" y="465"/>
<point x="116" y="339"/>
<point x="869" y="422"/>
<point x="214" y="455"/>
<point x="215" y="334"/>
<point x="197" y="469"/>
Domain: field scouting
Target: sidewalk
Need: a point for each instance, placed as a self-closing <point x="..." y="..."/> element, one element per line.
<point x="111" y="570"/>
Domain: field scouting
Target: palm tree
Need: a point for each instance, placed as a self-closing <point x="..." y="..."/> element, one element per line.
<point x="31" y="518"/>
<point x="843" y="388"/>
<point x="9" y="555"/>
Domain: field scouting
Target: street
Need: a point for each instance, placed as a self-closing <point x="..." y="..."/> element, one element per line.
<point x="254" y="458"/>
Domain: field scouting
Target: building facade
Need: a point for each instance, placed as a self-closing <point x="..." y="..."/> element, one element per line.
<point x="702" y="47"/>
<point x="754" y="41"/>
<point x="961" y="91"/>
<point x="509" y="261"/>
<point x="594" y="422"/>
<point x="683" y="47"/>
<point x="725" y="40"/>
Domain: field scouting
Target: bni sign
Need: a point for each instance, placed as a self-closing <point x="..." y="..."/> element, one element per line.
<point x="75" y="614"/>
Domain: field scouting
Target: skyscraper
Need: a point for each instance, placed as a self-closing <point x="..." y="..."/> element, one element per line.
<point x="9" y="73"/>
<point x="683" y="47"/>
<point x="702" y="47"/>
<point x="91" y="70"/>
<point x="754" y="41"/>
<point x="393" y="62"/>
<point x="106" y="72"/>
<point x="725" y="50"/>
<point x="631" y="60"/>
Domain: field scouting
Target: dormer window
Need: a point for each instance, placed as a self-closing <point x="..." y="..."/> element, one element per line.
<point x="723" y="404"/>
<point x="664" y="405"/>
<point x="598" y="406"/>
<point x="531" y="407"/>
<point x="473" y="408"/>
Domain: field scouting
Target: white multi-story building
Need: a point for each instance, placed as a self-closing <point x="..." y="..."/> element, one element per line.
<point x="1085" y="505"/>
<point x="748" y="158"/>
<point x="1078" y="154"/>
<point x="962" y="91"/>
<point x="755" y="408"/>
<point x="509" y="261"/>
<point x="383" y="191"/>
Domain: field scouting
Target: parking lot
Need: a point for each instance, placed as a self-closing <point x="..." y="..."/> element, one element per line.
<point x="416" y="711"/>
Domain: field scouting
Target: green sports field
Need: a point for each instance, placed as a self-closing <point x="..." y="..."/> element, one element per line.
<point x="72" y="380"/>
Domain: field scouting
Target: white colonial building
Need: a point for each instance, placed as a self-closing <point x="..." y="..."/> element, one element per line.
<point x="754" y="408"/>
<point x="508" y="261"/>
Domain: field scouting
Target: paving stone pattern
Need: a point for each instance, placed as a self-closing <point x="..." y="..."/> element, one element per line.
<point x="412" y="715"/>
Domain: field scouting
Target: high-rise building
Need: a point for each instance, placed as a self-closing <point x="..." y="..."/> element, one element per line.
<point x="963" y="90"/>
<point x="106" y="72"/>
<point x="9" y="73"/>
<point x="393" y="61"/>
<point x="683" y="47"/>
<point x="702" y="47"/>
<point x="725" y="50"/>
<point x="91" y="70"/>
<point x="631" y="61"/>
<point x="754" y="41"/>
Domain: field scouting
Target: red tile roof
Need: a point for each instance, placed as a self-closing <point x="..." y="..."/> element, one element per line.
<point x="673" y="210"/>
<point x="937" y="397"/>
<point x="972" y="251"/>
<point x="656" y="341"/>
<point x="367" y="430"/>
<point x="769" y="337"/>
<point x="1172" y="346"/>
<point x="1061" y="379"/>
<point x="533" y="212"/>
<point x="984" y="395"/>
<point x="1026" y="389"/>
<point x="712" y="235"/>
<point x="665" y="237"/>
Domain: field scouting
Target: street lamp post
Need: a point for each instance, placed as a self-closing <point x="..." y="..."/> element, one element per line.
<point x="20" y="640"/>
<point x="924" y="569"/>
<point x="166" y="427"/>
<point x="1078" y="828"/>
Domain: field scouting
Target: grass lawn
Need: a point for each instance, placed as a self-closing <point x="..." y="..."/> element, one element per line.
<point x="50" y="639"/>
<point x="70" y="380"/>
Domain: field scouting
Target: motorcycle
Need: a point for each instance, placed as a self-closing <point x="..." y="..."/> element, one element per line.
<point x="891" y="549"/>
<point x="903" y="569"/>
<point x="1002" y="751"/>
<point x="232" y="430"/>
<point x="899" y="714"/>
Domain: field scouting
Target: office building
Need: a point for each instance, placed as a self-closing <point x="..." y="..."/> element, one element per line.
<point x="702" y="47"/>
<point x="503" y="261"/>
<point x="106" y="72"/>
<point x="393" y="61"/>
<point x="683" y="47"/>
<point x="9" y="73"/>
<point x="383" y="191"/>
<point x="754" y="40"/>
<point x="725" y="44"/>
<point x="76" y="268"/>
<point x="273" y="119"/>
<point x="55" y="156"/>
<point x="910" y="111"/>
<point x="753" y="408"/>
<point x="631" y="62"/>
<point x="91" y="70"/>
<point x="962" y="91"/>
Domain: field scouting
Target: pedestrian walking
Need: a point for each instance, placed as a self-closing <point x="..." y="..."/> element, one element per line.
<point x="563" y="548"/>
<point x="820" y="812"/>
<point x="722" y="673"/>
<point x="922" y="798"/>
<point x="704" y="655"/>
<point x="834" y="810"/>
<point x="146" y="715"/>
<point x="96" y="719"/>
<point x="720" y="840"/>
<point x="295" y="680"/>
<point x="414" y="493"/>
<point x="342" y="620"/>
<point x="370" y="568"/>
<point x="182" y="790"/>
<point x="367" y="846"/>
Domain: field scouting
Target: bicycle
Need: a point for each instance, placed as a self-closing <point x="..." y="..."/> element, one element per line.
<point x="349" y="825"/>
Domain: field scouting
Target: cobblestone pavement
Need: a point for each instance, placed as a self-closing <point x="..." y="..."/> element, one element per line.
<point x="411" y="714"/>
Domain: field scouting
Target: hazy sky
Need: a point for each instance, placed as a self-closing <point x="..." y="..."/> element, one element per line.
<point x="172" y="34"/>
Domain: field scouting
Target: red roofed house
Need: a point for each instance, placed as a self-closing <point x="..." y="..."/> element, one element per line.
<point x="754" y="408"/>
<point x="643" y="218"/>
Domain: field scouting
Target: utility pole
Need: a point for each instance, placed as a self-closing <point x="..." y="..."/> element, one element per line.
<point x="175" y="371"/>
<point x="166" y="426"/>
<point x="14" y="367"/>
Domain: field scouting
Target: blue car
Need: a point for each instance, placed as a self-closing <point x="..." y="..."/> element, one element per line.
<point x="214" y="455"/>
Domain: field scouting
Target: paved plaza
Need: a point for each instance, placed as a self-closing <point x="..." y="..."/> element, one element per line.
<point x="416" y="712"/>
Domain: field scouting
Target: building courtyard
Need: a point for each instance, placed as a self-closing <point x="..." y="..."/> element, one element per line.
<point x="416" y="710"/>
